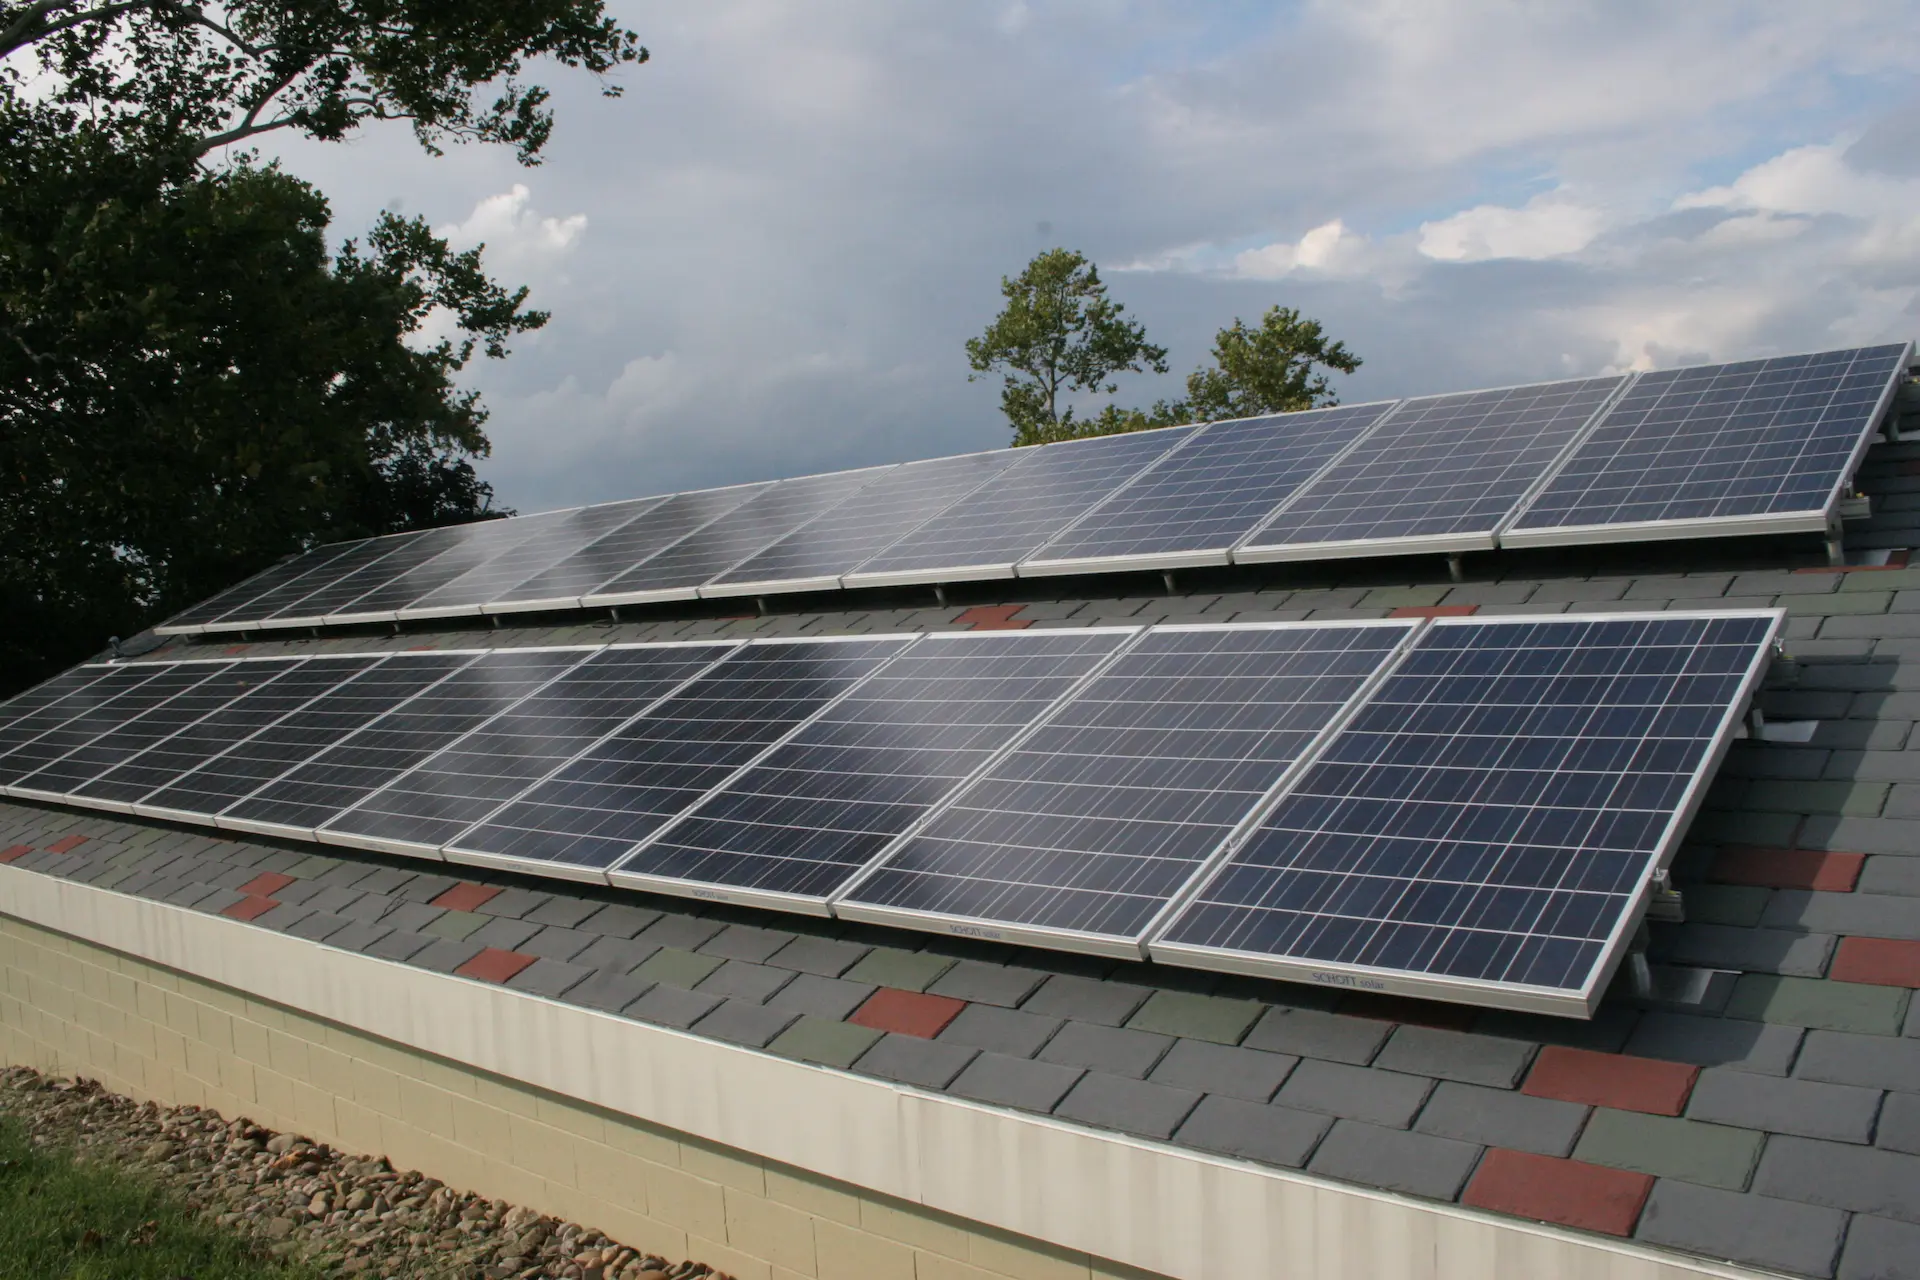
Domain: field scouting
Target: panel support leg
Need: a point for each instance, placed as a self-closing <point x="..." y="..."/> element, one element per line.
<point x="1639" y="973"/>
<point x="940" y="594"/>
<point x="760" y="605"/>
<point x="1456" y="566"/>
<point x="613" y="611"/>
<point x="494" y="618"/>
<point x="1836" y="545"/>
<point x="1166" y="576"/>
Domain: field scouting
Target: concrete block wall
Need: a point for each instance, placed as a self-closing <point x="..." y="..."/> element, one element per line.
<point x="75" y="1008"/>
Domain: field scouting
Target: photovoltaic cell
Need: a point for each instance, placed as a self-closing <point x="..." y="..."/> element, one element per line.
<point x="46" y="693"/>
<point x="825" y="802"/>
<point x="866" y="523"/>
<point x="296" y="738"/>
<point x="592" y="812"/>
<point x="274" y="696"/>
<point x="991" y="530"/>
<point x="402" y="555"/>
<point x="479" y="542"/>
<point x="1445" y="470"/>
<point x="1492" y="814"/>
<point x="469" y="779"/>
<point x="1092" y="824"/>
<point x="324" y="572"/>
<point x="1758" y="439"/>
<point x="1199" y="501"/>
<point x="751" y="527"/>
<point x="220" y="684"/>
<point x="42" y="736"/>
<point x="619" y="550"/>
<point x="372" y="756"/>
<point x="549" y="545"/>
<point x="273" y="578"/>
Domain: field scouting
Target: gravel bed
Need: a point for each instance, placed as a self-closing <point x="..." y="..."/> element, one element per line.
<point x="350" y="1215"/>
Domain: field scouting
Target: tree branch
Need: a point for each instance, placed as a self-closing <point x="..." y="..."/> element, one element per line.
<point x="226" y="33"/>
<point x="32" y="25"/>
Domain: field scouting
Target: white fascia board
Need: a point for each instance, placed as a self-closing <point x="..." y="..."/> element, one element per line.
<point x="1180" y="1212"/>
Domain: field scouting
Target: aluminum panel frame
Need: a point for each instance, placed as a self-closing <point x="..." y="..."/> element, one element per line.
<point x="1359" y="548"/>
<point x="570" y="871"/>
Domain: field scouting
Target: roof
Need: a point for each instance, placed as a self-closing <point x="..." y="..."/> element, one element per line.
<point x="1762" y="1106"/>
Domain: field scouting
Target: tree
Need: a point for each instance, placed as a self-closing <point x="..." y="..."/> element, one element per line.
<point x="191" y="385"/>
<point x="188" y="76"/>
<point x="1277" y="368"/>
<point x="1058" y="334"/>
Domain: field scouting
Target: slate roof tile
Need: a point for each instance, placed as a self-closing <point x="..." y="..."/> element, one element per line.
<point x="1502" y="1118"/>
<point x="1841" y="1176"/>
<point x="1127" y="1104"/>
<point x="1569" y="1192"/>
<point x="1842" y="1113"/>
<point x="1778" y="1234"/>
<point x="1008" y="1032"/>
<point x="1879" y="1249"/>
<point x="1115" y="1050"/>
<point x="1712" y="1154"/>
<point x="1416" y="1163"/>
<point x="1456" y="1055"/>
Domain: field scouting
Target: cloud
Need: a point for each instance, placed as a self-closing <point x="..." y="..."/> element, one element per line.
<point x="1813" y="180"/>
<point x="1548" y="226"/>
<point x="516" y="235"/>
<point x="1328" y="247"/>
<point x="799" y="215"/>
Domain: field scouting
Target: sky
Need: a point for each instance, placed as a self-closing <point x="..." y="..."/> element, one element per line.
<point x="764" y="258"/>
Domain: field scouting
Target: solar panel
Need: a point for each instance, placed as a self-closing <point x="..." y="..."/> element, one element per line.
<point x="352" y="769"/>
<point x="754" y="525"/>
<point x="413" y="577"/>
<point x="588" y="815"/>
<point x="468" y="780"/>
<point x="290" y="741"/>
<point x="986" y="534"/>
<point x="272" y="578"/>
<point x="219" y="684"/>
<point x="323" y="572"/>
<point x="619" y="550"/>
<point x="812" y="812"/>
<point x="1196" y="503"/>
<point x="1763" y="446"/>
<point x="63" y="723"/>
<point x="1440" y="474"/>
<point x="1085" y="832"/>
<point x="1485" y="827"/>
<point x="403" y="553"/>
<point x="553" y="542"/>
<point x="48" y="692"/>
<point x="813" y="557"/>
<point x="297" y="682"/>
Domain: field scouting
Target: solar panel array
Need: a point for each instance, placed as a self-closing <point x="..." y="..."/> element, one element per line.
<point x="1764" y="446"/>
<point x="1470" y="808"/>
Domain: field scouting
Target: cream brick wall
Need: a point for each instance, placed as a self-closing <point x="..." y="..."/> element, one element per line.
<point x="70" y="1007"/>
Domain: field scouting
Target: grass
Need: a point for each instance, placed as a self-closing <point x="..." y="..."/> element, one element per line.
<point x="64" y="1220"/>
